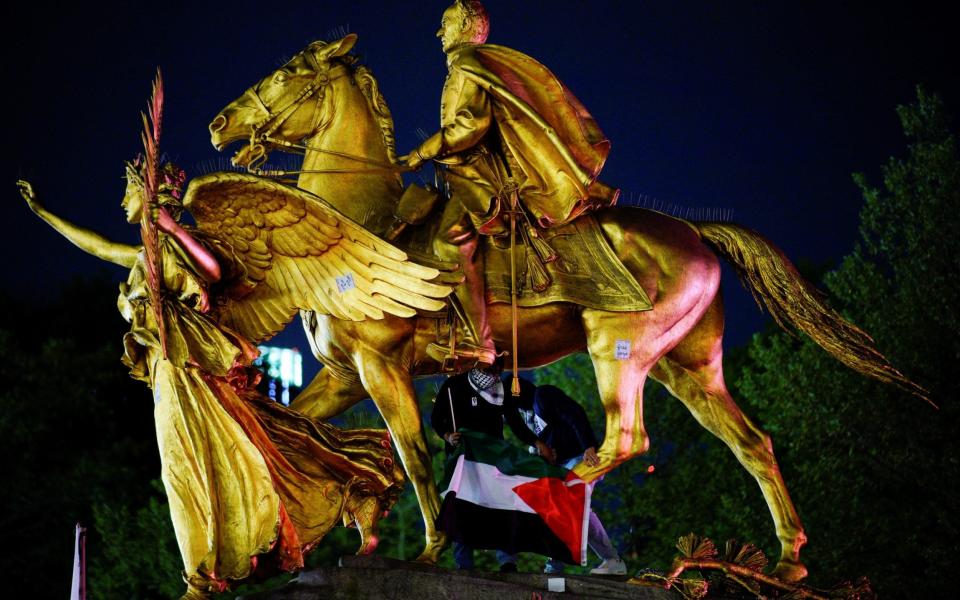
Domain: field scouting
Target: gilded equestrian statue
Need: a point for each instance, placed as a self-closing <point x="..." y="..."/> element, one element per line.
<point x="325" y="104"/>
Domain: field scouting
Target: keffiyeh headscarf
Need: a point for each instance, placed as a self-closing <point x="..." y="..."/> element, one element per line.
<point x="487" y="384"/>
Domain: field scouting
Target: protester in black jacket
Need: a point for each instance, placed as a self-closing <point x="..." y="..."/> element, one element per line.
<point x="562" y="428"/>
<point x="474" y="401"/>
<point x="562" y="424"/>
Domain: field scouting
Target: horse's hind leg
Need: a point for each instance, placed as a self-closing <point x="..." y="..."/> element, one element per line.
<point x="693" y="372"/>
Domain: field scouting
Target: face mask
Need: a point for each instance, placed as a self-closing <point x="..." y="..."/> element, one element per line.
<point x="481" y="380"/>
<point x="487" y="385"/>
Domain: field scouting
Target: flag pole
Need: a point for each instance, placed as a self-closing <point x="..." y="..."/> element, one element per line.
<point x="453" y="417"/>
<point x="78" y="587"/>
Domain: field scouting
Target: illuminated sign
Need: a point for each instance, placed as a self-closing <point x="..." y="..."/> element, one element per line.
<point x="283" y="365"/>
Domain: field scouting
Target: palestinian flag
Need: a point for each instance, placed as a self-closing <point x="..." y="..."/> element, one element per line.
<point x="499" y="497"/>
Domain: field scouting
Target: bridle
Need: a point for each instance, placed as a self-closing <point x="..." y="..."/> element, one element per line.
<point x="261" y="132"/>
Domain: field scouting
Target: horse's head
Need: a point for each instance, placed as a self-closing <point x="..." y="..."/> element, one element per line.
<point x="284" y="106"/>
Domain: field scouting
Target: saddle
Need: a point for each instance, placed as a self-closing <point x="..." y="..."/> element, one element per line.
<point x="571" y="263"/>
<point x="585" y="272"/>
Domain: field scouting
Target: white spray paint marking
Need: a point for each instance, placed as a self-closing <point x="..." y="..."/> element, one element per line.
<point x="345" y="283"/>
<point x="622" y="350"/>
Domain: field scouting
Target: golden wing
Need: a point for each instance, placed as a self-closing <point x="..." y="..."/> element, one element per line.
<point x="299" y="252"/>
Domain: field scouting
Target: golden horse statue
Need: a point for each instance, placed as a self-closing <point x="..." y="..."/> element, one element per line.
<point x="326" y="105"/>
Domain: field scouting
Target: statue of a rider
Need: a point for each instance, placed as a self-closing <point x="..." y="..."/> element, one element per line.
<point x="507" y="125"/>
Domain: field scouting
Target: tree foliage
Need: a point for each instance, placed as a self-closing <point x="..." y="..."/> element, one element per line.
<point x="138" y="553"/>
<point x="871" y="471"/>
<point x="883" y="463"/>
<point x="75" y="431"/>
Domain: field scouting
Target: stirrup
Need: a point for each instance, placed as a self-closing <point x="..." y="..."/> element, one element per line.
<point x="464" y="356"/>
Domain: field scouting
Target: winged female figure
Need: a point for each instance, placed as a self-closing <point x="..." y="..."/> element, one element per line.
<point x="252" y="485"/>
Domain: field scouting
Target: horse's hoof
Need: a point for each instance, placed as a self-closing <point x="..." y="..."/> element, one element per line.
<point x="433" y="549"/>
<point x="790" y="571"/>
<point x="430" y="555"/>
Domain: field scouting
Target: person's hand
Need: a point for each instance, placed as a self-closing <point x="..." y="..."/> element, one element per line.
<point x="26" y="190"/>
<point x="452" y="438"/>
<point x="546" y="452"/>
<point x="590" y="457"/>
<point x="164" y="221"/>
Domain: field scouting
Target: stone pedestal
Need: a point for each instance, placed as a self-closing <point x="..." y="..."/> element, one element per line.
<point x="389" y="579"/>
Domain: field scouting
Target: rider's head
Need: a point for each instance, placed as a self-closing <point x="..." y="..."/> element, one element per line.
<point x="464" y="22"/>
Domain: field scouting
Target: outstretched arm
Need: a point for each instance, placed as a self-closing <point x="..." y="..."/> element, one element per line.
<point x="88" y="241"/>
<point x="200" y="258"/>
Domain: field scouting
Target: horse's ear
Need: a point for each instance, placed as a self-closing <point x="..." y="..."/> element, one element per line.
<point x="338" y="48"/>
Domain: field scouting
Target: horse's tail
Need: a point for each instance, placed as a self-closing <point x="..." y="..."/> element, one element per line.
<point x="776" y="284"/>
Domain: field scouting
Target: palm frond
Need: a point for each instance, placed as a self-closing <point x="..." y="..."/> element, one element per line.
<point x="746" y="555"/>
<point x="696" y="547"/>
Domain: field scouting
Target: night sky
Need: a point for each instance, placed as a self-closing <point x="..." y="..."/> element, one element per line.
<point x="762" y="108"/>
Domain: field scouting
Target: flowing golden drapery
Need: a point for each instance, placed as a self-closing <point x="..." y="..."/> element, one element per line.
<point x="244" y="476"/>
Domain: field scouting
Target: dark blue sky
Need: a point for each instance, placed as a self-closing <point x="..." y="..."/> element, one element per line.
<point x="763" y="108"/>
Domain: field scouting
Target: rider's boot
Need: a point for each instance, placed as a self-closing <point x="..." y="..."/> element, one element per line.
<point x="478" y="348"/>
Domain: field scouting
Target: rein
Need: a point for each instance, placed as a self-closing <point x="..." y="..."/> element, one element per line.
<point x="377" y="166"/>
<point x="261" y="133"/>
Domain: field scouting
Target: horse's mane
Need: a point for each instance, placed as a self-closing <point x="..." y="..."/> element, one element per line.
<point x="371" y="91"/>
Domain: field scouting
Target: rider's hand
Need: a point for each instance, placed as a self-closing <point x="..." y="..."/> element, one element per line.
<point x="590" y="457"/>
<point x="413" y="160"/>
<point x="452" y="438"/>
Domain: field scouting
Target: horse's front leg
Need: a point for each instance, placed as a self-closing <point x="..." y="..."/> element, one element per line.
<point x="391" y="388"/>
<point x="625" y="346"/>
<point x="329" y="394"/>
<point x="336" y="387"/>
<point x="621" y="358"/>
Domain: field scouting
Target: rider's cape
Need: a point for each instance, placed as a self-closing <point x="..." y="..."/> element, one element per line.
<point x="550" y="135"/>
